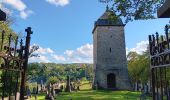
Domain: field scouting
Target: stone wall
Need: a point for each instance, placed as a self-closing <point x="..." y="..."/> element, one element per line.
<point x="110" y="56"/>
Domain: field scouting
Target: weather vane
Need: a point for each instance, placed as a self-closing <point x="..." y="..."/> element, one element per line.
<point x="105" y="1"/>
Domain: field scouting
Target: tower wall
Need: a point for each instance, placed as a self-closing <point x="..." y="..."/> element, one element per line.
<point x="110" y="57"/>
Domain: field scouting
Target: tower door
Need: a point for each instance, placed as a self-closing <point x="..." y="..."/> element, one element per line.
<point x="111" y="81"/>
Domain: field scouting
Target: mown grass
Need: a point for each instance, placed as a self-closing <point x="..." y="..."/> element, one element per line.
<point x="99" y="95"/>
<point x="86" y="93"/>
<point x="39" y="97"/>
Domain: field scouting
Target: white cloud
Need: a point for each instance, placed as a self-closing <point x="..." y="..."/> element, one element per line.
<point x="49" y="50"/>
<point x="58" y="58"/>
<point x="140" y="47"/>
<point x="44" y="51"/>
<point x="6" y="10"/>
<point x="69" y="53"/>
<point x="83" y="54"/>
<point x="17" y="4"/>
<point x="46" y="55"/>
<point x="127" y="51"/>
<point x="58" y="2"/>
<point x="20" y="6"/>
<point x="41" y="58"/>
<point x="25" y="14"/>
<point x="85" y="50"/>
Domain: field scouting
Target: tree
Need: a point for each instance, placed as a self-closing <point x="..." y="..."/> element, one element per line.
<point x="52" y="80"/>
<point x="134" y="9"/>
<point x="138" y="66"/>
<point x="36" y="72"/>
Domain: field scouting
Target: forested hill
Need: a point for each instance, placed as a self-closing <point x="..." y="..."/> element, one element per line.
<point x="51" y="71"/>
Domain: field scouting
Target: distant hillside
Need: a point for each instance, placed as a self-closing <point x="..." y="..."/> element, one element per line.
<point x="43" y="71"/>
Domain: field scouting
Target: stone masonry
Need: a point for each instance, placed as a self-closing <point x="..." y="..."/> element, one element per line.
<point x="110" y="64"/>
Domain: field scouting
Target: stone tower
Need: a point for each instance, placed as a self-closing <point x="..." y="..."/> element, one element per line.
<point x="110" y="64"/>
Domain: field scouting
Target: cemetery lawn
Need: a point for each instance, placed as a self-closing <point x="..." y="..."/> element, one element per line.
<point x="99" y="95"/>
<point x="86" y="93"/>
<point x="39" y="97"/>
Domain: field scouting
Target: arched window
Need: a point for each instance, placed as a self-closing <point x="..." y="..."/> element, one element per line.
<point x="110" y="50"/>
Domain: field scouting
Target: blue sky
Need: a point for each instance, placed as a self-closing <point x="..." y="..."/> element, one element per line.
<point x="63" y="28"/>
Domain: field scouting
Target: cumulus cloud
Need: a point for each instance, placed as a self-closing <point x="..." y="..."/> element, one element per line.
<point x="6" y="10"/>
<point x="25" y="14"/>
<point x="58" y="58"/>
<point x="20" y="6"/>
<point x="58" y="2"/>
<point x="140" y="47"/>
<point x="46" y="55"/>
<point x="43" y="55"/>
<point x="42" y="50"/>
<point x="69" y="53"/>
<point x="41" y="58"/>
<point x="83" y="54"/>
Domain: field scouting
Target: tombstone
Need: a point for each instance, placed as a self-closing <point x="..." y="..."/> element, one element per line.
<point x="149" y="87"/>
<point x="136" y="86"/>
<point x="110" y="64"/>
<point x="146" y="89"/>
<point x="68" y="87"/>
<point x="164" y="10"/>
<point x="18" y="95"/>
<point x="35" y="92"/>
<point x="61" y="88"/>
<point x="140" y="87"/>
<point x="168" y="92"/>
<point x="42" y="85"/>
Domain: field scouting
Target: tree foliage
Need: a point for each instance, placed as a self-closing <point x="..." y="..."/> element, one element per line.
<point x="52" y="80"/>
<point x="135" y="9"/>
<point x="139" y="67"/>
<point x="38" y="72"/>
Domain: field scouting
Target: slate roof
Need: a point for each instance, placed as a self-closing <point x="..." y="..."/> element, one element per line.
<point x="105" y="19"/>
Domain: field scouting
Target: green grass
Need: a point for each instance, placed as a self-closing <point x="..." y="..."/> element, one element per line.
<point x="99" y="95"/>
<point x="86" y="93"/>
<point x="39" y="97"/>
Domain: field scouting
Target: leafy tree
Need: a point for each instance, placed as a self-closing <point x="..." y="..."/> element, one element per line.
<point x="139" y="67"/>
<point x="134" y="9"/>
<point x="36" y="72"/>
<point x="52" y="80"/>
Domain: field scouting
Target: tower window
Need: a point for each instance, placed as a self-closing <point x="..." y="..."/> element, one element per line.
<point x="111" y="36"/>
<point x="110" y="49"/>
